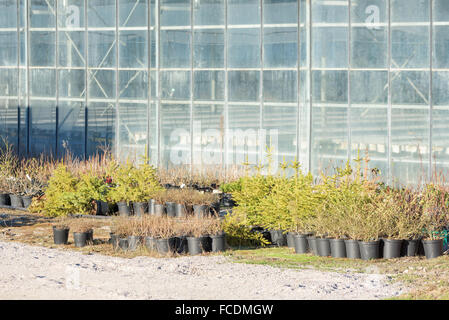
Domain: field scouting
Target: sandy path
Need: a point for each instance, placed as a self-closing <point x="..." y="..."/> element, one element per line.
<point x="29" y="272"/>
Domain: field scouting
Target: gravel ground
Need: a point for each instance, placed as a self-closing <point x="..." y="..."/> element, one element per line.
<point x="29" y="272"/>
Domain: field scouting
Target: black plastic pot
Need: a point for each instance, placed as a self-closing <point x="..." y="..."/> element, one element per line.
<point x="123" y="243"/>
<point x="159" y="210"/>
<point x="102" y="208"/>
<point x="311" y="241"/>
<point x="198" y="245"/>
<point x="60" y="236"/>
<point x="392" y="248"/>
<point x="201" y="211"/>
<point x="180" y="210"/>
<point x="181" y="246"/>
<point x="301" y="245"/>
<point x="124" y="209"/>
<point x="369" y="250"/>
<point x="324" y="247"/>
<point x="278" y="238"/>
<point x="410" y="248"/>
<point x="433" y="248"/>
<point x="151" y="204"/>
<point x="5" y="199"/>
<point x="218" y="243"/>
<point x="150" y="243"/>
<point x="164" y="246"/>
<point x="90" y="237"/>
<point x="338" y="248"/>
<point x="16" y="201"/>
<point x="140" y="208"/>
<point x="114" y="240"/>
<point x="291" y="239"/>
<point x="352" y="249"/>
<point x="26" y="201"/>
<point x="80" y="239"/>
<point x="170" y="208"/>
<point x="133" y="242"/>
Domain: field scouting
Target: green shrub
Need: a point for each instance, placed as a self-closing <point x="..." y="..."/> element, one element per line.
<point x="61" y="196"/>
<point x="239" y="234"/>
<point x="435" y="216"/>
<point x="131" y="183"/>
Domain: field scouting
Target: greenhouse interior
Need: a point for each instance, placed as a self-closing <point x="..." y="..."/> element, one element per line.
<point x="221" y="82"/>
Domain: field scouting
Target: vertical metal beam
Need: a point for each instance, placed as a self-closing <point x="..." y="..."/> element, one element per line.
<point x="349" y="82"/>
<point x="226" y="107"/>
<point x="28" y="108"/>
<point x="148" y="148"/>
<point x="56" y="79"/>
<point x="18" y="75"/>
<point x="298" y="83"/>
<point x="158" y="76"/>
<point x="86" y="78"/>
<point x="262" y="144"/>
<point x="191" y="87"/>
<point x="117" y="79"/>
<point x="389" y="113"/>
<point x="431" y="93"/>
<point x="310" y="85"/>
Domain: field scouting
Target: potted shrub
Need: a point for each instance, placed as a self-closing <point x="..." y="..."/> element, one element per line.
<point x="61" y="232"/>
<point x="31" y="180"/>
<point x="400" y="212"/>
<point x="63" y="195"/>
<point x="198" y="240"/>
<point x="306" y="198"/>
<point x="388" y="209"/>
<point x="121" y="189"/>
<point x="165" y="235"/>
<point x="215" y="230"/>
<point x="348" y="198"/>
<point x="82" y="231"/>
<point x="8" y="163"/>
<point x="145" y="186"/>
<point x="202" y="203"/>
<point x="172" y="199"/>
<point x="435" y="218"/>
<point x="159" y="203"/>
<point x="149" y="233"/>
<point x="122" y="228"/>
<point x="180" y="231"/>
<point x="15" y="188"/>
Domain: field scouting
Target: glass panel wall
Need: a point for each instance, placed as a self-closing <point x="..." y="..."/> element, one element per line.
<point x="214" y="82"/>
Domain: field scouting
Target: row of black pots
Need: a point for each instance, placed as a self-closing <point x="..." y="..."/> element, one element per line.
<point x="170" y="209"/>
<point x="179" y="245"/>
<point x="81" y="239"/>
<point x="353" y="249"/>
<point x="15" y="201"/>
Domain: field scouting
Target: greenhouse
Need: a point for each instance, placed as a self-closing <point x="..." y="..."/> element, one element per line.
<point x="217" y="82"/>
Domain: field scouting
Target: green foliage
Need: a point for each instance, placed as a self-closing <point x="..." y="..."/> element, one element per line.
<point x="131" y="183"/>
<point x="91" y="187"/>
<point x="231" y="186"/>
<point x="239" y="234"/>
<point x="146" y="182"/>
<point x="435" y="216"/>
<point x="61" y="197"/>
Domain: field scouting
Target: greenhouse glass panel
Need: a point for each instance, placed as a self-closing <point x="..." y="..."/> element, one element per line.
<point x="71" y="124"/>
